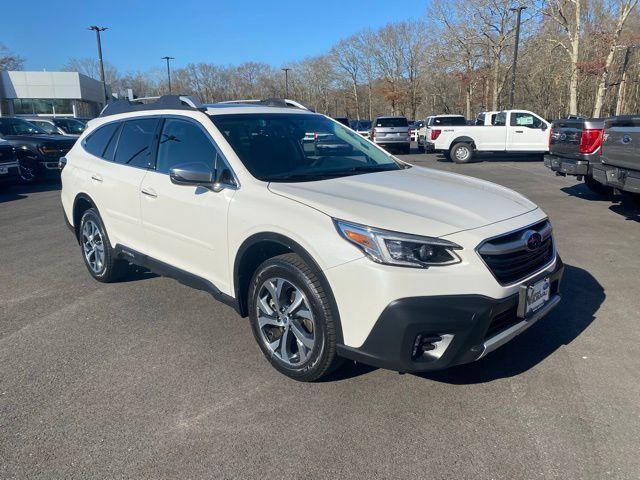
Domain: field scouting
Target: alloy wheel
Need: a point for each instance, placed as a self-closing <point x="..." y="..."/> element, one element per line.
<point x="93" y="246"/>
<point x="285" y="321"/>
<point x="26" y="172"/>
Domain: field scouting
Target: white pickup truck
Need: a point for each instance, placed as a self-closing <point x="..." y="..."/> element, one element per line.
<point x="516" y="131"/>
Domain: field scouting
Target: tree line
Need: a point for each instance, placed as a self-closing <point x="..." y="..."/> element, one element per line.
<point x="578" y="57"/>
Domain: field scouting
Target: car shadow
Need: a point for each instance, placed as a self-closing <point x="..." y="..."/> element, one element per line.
<point x="627" y="209"/>
<point x="582" y="298"/>
<point x="496" y="157"/>
<point x="581" y="190"/>
<point x="20" y="192"/>
<point x="137" y="274"/>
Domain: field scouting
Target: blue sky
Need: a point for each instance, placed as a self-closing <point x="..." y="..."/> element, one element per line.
<point x="216" y="31"/>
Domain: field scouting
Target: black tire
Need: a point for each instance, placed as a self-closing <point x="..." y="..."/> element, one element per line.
<point x="597" y="187"/>
<point x="321" y="359"/>
<point x="421" y="148"/>
<point x="461" y="153"/>
<point x="111" y="268"/>
<point x="406" y="149"/>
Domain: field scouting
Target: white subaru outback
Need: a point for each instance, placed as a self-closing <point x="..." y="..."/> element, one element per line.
<point x="340" y="252"/>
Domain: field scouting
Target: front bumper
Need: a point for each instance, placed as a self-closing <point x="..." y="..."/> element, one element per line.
<point x="8" y="171"/>
<point x="471" y="326"/>
<point x="566" y="166"/>
<point x="623" y="179"/>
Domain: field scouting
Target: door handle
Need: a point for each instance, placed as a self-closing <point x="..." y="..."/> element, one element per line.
<point x="149" y="192"/>
<point x="96" y="177"/>
<point x="519" y="131"/>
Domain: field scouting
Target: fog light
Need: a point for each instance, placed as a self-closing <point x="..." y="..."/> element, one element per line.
<point x="424" y="343"/>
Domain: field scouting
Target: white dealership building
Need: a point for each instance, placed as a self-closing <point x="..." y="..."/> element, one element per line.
<point x="68" y="94"/>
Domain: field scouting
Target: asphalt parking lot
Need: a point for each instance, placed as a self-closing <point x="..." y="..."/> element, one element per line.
<point x="150" y="379"/>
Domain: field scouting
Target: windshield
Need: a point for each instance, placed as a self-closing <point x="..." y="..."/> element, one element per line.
<point x="17" y="126"/>
<point x="70" y="125"/>
<point x="282" y="147"/>
<point x="392" y="122"/>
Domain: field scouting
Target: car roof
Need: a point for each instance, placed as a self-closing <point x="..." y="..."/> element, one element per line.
<point x="391" y="116"/>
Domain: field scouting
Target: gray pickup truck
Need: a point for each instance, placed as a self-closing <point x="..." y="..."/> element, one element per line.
<point x="620" y="167"/>
<point x="575" y="148"/>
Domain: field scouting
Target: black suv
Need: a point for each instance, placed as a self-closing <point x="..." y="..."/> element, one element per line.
<point x="37" y="152"/>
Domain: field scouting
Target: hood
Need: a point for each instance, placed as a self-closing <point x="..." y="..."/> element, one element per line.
<point x="42" y="139"/>
<point x="414" y="200"/>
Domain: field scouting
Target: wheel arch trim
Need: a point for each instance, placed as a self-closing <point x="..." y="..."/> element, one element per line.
<point x="293" y="246"/>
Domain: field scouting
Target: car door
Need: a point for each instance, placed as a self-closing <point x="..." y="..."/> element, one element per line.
<point x="527" y="132"/>
<point x="124" y="152"/>
<point x="186" y="226"/>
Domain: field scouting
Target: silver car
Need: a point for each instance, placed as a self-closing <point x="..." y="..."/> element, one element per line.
<point x="392" y="132"/>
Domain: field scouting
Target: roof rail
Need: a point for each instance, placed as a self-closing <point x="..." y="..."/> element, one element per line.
<point x="165" y="102"/>
<point x="269" y="102"/>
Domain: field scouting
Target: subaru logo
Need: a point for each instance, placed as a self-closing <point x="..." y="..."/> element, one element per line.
<point x="626" y="138"/>
<point x="532" y="239"/>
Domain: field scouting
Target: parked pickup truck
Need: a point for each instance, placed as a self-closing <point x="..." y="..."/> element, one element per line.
<point x="514" y="131"/>
<point x="436" y="121"/>
<point x="575" y="148"/>
<point x="620" y="167"/>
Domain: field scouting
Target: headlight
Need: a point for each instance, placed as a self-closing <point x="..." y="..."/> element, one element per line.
<point x="393" y="248"/>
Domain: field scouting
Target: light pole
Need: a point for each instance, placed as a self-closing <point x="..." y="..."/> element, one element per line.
<point x="286" y="82"/>
<point x="168" y="71"/>
<point x="104" y="83"/>
<point x="515" y="55"/>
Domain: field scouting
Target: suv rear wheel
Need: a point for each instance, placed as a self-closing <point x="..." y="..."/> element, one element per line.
<point x="97" y="253"/>
<point x="292" y="319"/>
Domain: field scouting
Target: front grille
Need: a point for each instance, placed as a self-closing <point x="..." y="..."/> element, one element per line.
<point x="509" y="257"/>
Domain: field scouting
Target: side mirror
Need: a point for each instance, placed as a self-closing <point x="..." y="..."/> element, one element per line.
<point x="544" y="126"/>
<point x="194" y="174"/>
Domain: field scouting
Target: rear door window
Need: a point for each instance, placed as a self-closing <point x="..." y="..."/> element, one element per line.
<point x="480" y="119"/>
<point x="500" y="120"/>
<point x="96" y="143"/>
<point x="136" y="142"/>
<point x="392" y="122"/>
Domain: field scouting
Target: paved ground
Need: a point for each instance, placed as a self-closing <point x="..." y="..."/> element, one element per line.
<point x="149" y="379"/>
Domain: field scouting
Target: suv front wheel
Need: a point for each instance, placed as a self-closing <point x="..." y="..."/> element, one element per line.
<point x="292" y="319"/>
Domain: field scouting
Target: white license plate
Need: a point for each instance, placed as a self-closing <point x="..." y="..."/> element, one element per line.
<point x="4" y="170"/>
<point x="537" y="295"/>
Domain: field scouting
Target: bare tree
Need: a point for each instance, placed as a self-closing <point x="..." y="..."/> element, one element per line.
<point x="346" y="59"/>
<point x="567" y="14"/>
<point x="624" y="8"/>
<point x="9" y="60"/>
